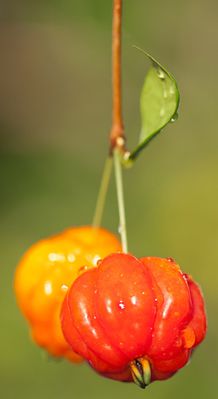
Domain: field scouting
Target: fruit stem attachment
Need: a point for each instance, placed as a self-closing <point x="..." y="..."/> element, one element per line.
<point x="141" y="372"/>
<point x="120" y="198"/>
<point x="117" y="138"/>
<point x="102" y="192"/>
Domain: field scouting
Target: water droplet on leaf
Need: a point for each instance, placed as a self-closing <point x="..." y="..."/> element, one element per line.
<point x="174" y="118"/>
<point x="160" y="73"/>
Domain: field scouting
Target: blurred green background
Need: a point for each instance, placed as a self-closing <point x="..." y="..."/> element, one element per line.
<point x="55" y="114"/>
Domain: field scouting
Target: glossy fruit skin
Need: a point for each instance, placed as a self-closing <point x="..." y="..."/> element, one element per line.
<point x="128" y="309"/>
<point x="46" y="271"/>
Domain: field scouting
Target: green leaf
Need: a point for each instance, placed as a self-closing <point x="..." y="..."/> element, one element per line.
<point x="159" y="104"/>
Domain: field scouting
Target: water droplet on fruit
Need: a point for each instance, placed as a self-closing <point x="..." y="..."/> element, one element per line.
<point x="64" y="287"/>
<point x="83" y="269"/>
<point x="96" y="259"/>
<point x="48" y="288"/>
<point x="121" y="305"/>
<point x="71" y="257"/>
<point x="170" y="259"/>
<point x="54" y="257"/>
<point x="134" y="300"/>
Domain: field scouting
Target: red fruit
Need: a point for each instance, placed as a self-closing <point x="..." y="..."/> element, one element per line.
<point x="134" y="319"/>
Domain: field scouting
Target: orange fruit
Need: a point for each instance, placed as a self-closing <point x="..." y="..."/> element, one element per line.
<point x="46" y="271"/>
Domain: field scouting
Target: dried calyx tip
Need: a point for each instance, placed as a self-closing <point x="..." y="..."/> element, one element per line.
<point x="141" y="372"/>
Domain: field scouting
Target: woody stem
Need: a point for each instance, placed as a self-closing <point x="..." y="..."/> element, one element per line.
<point x="117" y="138"/>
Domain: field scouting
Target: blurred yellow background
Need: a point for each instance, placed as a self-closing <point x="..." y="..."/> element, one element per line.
<point x="55" y="114"/>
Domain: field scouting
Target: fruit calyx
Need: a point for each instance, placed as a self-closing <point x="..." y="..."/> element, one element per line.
<point x="141" y="372"/>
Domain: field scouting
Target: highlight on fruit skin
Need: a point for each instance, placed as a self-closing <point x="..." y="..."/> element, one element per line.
<point x="46" y="271"/>
<point x="134" y="319"/>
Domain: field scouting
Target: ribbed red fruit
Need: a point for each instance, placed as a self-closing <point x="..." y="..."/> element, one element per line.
<point x="134" y="319"/>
